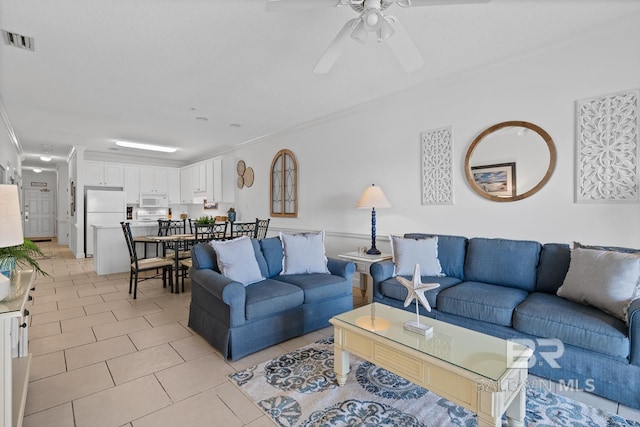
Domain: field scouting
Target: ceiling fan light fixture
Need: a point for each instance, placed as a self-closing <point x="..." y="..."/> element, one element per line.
<point x="360" y="33"/>
<point x="386" y="30"/>
<point x="372" y="19"/>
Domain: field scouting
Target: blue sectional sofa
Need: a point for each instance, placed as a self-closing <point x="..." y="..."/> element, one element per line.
<point x="239" y="320"/>
<point x="507" y="288"/>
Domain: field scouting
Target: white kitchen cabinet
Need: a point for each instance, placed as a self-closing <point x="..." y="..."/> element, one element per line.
<point x="186" y="188"/>
<point x="132" y="184"/>
<point x="14" y="349"/>
<point x="104" y="174"/>
<point x="154" y="180"/>
<point x="196" y="183"/>
<point x="224" y="179"/>
<point x="174" y="186"/>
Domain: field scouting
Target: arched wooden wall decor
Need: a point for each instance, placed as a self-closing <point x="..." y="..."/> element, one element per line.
<point x="284" y="185"/>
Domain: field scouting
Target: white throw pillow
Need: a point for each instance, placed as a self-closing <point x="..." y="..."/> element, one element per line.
<point x="237" y="260"/>
<point x="409" y="252"/>
<point x="303" y="253"/>
<point x="603" y="279"/>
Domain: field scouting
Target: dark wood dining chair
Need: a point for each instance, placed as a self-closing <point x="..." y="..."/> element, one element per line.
<point x="161" y="265"/>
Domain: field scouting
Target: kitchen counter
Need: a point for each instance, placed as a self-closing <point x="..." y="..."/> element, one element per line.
<point x="133" y="224"/>
<point x="110" y="253"/>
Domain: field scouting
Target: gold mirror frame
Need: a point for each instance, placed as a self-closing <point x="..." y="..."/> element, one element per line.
<point x="552" y="161"/>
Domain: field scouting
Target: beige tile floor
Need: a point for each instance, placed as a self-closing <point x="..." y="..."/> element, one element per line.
<point x="101" y="358"/>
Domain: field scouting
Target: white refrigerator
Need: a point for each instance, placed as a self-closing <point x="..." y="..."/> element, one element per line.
<point x="102" y="207"/>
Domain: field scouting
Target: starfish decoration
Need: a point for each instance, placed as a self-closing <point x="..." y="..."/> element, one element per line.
<point x="416" y="288"/>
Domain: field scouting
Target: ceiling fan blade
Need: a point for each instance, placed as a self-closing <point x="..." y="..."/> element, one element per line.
<point x="404" y="49"/>
<point x="335" y="48"/>
<point x="418" y="3"/>
<point x="280" y="5"/>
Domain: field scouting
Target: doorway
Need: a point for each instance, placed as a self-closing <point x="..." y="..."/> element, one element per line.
<point x="39" y="214"/>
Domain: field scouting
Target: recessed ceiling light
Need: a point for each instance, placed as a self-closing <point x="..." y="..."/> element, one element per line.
<point x="141" y="146"/>
<point x="37" y="170"/>
<point x="202" y="119"/>
<point x="235" y="125"/>
<point x="45" y="158"/>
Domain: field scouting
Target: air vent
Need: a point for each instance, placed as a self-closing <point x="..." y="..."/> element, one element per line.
<point x="18" y="40"/>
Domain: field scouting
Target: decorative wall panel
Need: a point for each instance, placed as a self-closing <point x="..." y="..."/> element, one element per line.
<point x="437" y="166"/>
<point x="607" y="148"/>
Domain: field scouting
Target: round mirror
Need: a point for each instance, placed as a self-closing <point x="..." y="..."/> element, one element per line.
<point x="510" y="161"/>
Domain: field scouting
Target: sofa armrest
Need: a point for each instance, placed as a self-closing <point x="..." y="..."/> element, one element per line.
<point x="341" y="267"/>
<point x="220" y="288"/>
<point x="634" y="332"/>
<point x="380" y="271"/>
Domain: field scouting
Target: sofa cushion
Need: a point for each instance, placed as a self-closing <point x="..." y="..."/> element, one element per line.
<point x="603" y="279"/>
<point x="318" y="286"/>
<point x="204" y="257"/>
<point x="549" y="316"/>
<point x="237" y="260"/>
<point x="303" y="253"/>
<point x="502" y="262"/>
<point x="481" y="301"/>
<point x="272" y="251"/>
<point x="271" y="296"/>
<point x="451" y="252"/>
<point x="409" y="252"/>
<point x="260" y="259"/>
<point x="393" y="289"/>
<point x="553" y="267"/>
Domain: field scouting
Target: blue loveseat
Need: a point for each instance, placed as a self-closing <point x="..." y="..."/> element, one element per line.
<point x="507" y="288"/>
<point x="238" y="320"/>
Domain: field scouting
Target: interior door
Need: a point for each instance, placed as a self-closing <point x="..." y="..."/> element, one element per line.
<point x="39" y="214"/>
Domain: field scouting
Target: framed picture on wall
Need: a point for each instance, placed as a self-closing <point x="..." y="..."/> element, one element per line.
<point x="210" y="205"/>
<point x="498" y="179"/>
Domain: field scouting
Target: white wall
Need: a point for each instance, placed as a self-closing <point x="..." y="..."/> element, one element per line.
<point x="380" y="143"/>
<point x="9" y="156"/>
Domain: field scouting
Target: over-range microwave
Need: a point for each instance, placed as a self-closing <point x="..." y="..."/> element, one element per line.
<point x="153" y="200"/>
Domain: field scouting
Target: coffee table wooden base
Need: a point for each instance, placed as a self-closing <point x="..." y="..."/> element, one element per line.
<point x="489" y="399"/>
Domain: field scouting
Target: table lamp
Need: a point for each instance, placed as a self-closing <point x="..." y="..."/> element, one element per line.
<point x="10" y="227"/>
<point x="373" y="197"/>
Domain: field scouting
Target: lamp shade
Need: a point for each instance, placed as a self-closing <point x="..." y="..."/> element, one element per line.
<point x="373" y="197"/>
<point x="10" y="216"/>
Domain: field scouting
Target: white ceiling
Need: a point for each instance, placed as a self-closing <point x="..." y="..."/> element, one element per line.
<point x="144" y="70"/>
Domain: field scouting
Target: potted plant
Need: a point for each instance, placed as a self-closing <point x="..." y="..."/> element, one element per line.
<point x="205" y="220"/>
<point x="21" y="255"/>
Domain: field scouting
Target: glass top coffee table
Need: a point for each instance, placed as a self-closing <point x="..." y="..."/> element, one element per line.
<point x="482" y="373"/>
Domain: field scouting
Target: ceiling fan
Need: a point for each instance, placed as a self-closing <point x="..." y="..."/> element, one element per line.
<point x="370" y="20"/>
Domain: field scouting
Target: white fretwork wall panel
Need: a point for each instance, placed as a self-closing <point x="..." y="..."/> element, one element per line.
<point x="607" y="148"/>
<point x="437" y="166"/>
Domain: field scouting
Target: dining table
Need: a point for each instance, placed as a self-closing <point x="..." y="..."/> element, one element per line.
<point x="174" y="238"/>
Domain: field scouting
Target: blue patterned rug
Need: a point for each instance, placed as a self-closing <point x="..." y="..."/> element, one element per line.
<point x="299" y="389"/>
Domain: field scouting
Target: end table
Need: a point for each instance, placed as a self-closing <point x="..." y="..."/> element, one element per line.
<point x="363" y="263"/>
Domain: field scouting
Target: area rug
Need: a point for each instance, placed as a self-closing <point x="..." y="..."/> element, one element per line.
<point x="299" y="389"/>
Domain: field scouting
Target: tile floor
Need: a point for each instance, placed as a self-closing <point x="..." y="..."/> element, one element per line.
<point x="101" y="358"/>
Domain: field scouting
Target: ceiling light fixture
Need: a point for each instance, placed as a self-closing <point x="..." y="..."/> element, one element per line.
<point x="37" y="170"/>
<point x="45" y="158"/>
<point x="141" y="146"/>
